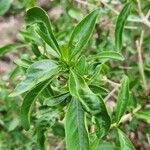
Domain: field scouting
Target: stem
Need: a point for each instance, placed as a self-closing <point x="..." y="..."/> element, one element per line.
<point x="111" y="93"/>
<point x="140" y="60"/>
<point x="129" y="115"/>
<point x="114" y="84"/>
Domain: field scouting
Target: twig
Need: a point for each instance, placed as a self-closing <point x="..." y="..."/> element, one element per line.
<point x="111" y="93"/>
<point x="144" y="19"/>
<point x="114" y="84"/>
<point x="109" y="7"/>
<point x="59" y="145"/>
<point x="128" y="116"/>
<point x="148" y="138"/>
<point x="141" y="66"/>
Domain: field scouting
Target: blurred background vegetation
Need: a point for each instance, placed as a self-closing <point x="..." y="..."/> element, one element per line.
<point x="64" y="15"/>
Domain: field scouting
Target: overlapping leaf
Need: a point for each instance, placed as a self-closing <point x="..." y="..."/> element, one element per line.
<point x="91" y="102"/>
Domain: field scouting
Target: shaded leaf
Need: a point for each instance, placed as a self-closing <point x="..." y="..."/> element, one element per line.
<point x="53" y="101"/>
<point x="76" y="132"/>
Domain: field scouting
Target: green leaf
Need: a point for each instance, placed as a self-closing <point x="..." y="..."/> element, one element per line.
<point x="120" y="25"/>
<point x="125" y="142"/>
<point x="9" y="47"/>
<point x="4" y="6"/>
<point x="31" y="3"/>
<point x="82" y="32"/>
<point x="81" y="66"/>
<point x="22" y="63"/>
<point x="41" y="138"/>
<point x="39" y="17"/>
<point x="91" y="102"/>
<point x="109" y="55"/>
<point x="98" y="89"/>
<point x="143" y="114"/>
<point x="76" y="132"/>
<point x="53" y="101"/>
<point x="123" y="98"/>
<point x="36" y="73"/>
<point x="27" y="104"/>
<point x="36" y="50"/>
